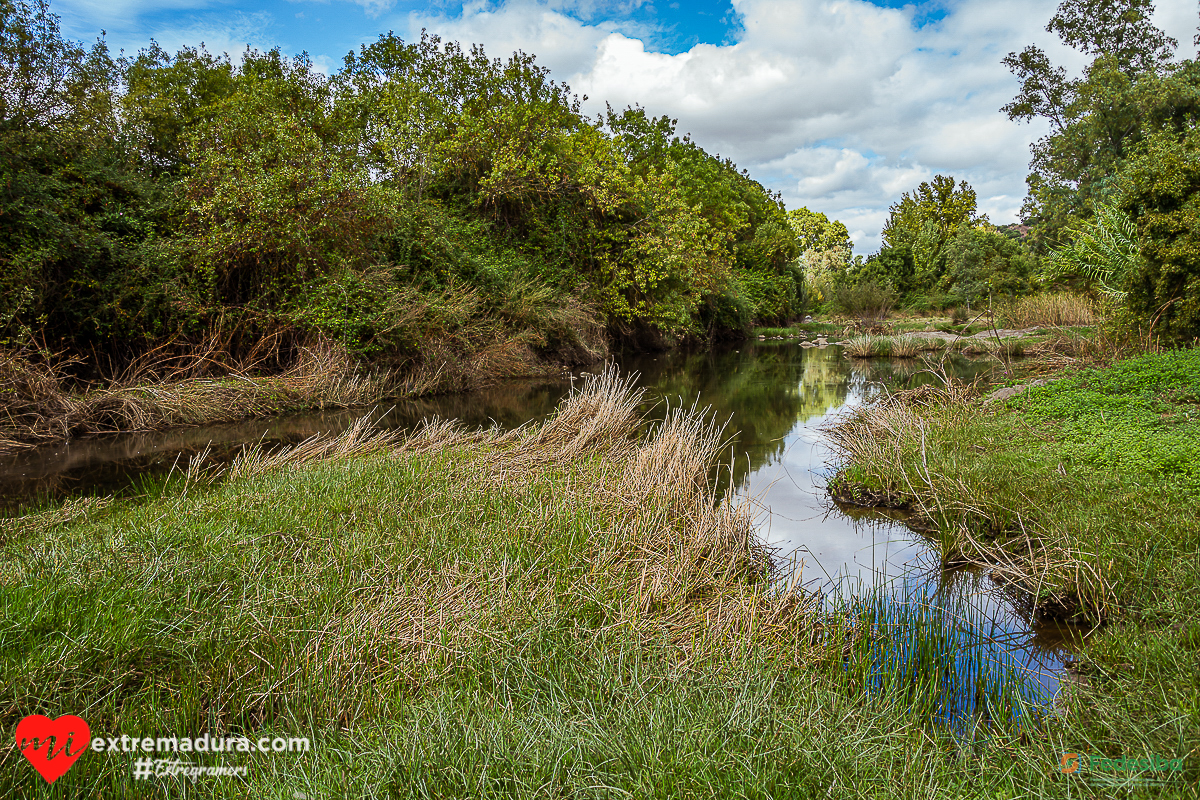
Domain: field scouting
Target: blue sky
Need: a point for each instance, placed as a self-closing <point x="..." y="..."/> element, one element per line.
<point x="841" y="105"/>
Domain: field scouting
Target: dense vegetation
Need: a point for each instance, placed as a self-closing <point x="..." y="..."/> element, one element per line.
<point x="424" y="202"/>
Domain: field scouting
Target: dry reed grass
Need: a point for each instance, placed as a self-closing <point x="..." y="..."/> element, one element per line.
<point x="1049" y="311"/>
<point x="174" y="385"/>
<point x="38" y="408"/>
<point x="906" y="346"/>
<point x="598" y="415"/>
<point x="979" y="345"/>
<point x="862" y="346"/>
<point x="901" y="346"/>
<point x="674" y="565"/>
<point x="359" y="439"/>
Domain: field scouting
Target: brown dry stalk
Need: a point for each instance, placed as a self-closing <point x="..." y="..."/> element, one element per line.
<point x="164" y="388"/>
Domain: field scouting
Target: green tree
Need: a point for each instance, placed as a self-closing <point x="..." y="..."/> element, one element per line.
<point x="1161" y="194"/>
<point x="76" y="217"/>
<point x="1129" y="90"/>
<point x="47" y="81"/>
<point x="274" y="197"/>
<point x="165" y="96"/>
<point x="815" y="231"/>
<point x="981" y="262"/>
<point x="922" y="223"/>
<point x="892" y="266"/>
<point x="938" y="203"/>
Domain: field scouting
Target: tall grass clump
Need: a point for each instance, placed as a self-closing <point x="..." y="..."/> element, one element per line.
<point x="1080" y="498"/>
<point x="906" y="450"/>
<point x="935" y="656"/>
<point x="867" y="346"/>
<point x="884" y="346"/>
<point x="906" y="346"/>
<point x="1051" y="310"/>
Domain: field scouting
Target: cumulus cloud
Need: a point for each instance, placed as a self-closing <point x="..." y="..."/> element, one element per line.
<point x="556" y="32"/>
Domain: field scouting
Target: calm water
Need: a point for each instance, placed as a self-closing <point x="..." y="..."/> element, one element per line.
<point x="775" y="398"/>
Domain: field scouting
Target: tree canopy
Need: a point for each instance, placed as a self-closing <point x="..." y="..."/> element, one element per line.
<point x="1109" y="186"/>
<point x="418" y="190"/>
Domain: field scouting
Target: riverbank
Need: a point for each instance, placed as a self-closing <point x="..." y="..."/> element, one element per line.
<point x="1082" y="494"/>
<point x="560" y="609"/>
<point x="40" y="404"/>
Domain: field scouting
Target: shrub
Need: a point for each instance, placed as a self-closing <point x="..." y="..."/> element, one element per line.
<point x="1162" y="194"/>
<point x="867" y="300"/>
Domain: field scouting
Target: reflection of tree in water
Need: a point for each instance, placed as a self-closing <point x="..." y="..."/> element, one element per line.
<point x="764" y="392"/>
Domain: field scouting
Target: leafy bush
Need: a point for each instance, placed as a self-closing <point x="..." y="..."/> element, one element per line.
<point x="174" y="198"/>
<point x="1103" y="250"/>
<point x="1161" y="189"/>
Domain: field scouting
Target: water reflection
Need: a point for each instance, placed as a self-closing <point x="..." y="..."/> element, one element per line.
<point x="112" y="464"/>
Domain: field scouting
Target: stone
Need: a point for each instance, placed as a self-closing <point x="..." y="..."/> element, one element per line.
<point x="1004" y="393"/>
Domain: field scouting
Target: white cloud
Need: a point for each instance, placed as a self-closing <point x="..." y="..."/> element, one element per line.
<point x="561" y="41"/>
<point x="221" y="33"/>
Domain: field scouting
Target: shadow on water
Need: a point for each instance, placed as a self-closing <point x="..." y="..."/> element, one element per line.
<point x="114" y="464"/>
<point x="775" y="398"/>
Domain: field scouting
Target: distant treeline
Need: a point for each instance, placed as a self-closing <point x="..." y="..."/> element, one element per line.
<point x="422" y="200"/>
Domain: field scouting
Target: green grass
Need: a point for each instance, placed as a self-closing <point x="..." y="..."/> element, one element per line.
<point x="549" y="613"/>
<point x="1082" y="495"/>
<point x="913" y="324"/>
<point x="1141" y="417"/>
<point x="798" y="329"/>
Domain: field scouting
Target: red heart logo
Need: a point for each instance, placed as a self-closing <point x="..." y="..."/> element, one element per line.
<point x="49" y="743"/>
